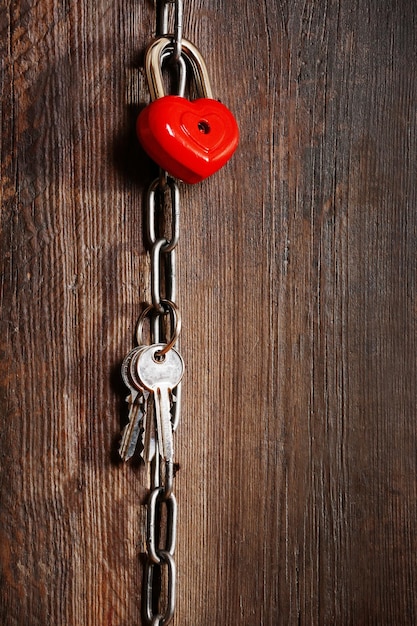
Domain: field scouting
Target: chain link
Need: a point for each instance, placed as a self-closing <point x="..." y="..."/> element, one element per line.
<point x="162" y="24"/>
<point x="157" y="499"/>
<point x="153" y="571"/>
<point x="156" y="196"/>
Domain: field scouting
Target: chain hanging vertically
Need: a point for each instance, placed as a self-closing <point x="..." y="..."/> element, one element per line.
<point x="163" y="255"/>
<point x="189" y="141"/>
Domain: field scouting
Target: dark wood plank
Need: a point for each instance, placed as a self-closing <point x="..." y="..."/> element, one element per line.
<point x="297" y="283"/>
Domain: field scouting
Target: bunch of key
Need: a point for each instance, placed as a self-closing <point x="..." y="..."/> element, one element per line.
<point x="151" y="375"/>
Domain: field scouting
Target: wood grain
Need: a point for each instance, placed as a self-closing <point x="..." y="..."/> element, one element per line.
<point x="297" y="283"/>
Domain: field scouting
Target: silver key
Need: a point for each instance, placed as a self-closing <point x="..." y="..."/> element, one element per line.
<point x="160" y="376"/>
<point x="137" y="400"/>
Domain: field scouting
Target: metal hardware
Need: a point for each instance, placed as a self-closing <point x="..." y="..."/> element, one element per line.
<point x="160" y="372"/>
<point x="191" y="139"/>
<point x="167" y="560"/>
<point x="157" y="499"/>
<point x="159" y="187"/>
<point x="168" y="307"/>
<point x="154" y="56"/>
<point x="181" y="69"/>
<point x="155" y="275"/>
<point x="138" y="402"/>
<point x="152" y="372"/>
<point x="163" y="205"/>
<point x="163" y="19"/>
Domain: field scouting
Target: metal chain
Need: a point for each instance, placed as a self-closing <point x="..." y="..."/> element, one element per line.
<point x="163" y="230"/>
<point x="163" y="205"/>
<point x="183" y="65"/>
<point x="162" y="24"/>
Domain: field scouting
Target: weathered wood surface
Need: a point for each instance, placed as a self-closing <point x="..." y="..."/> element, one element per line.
<point x="297" y="488"/>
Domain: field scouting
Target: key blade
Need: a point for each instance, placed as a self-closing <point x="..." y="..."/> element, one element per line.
<point x="164" y="425"/>
<point x="130" y="433"/>
<point x="148" y="430"/>
<point x="148" y="437"/>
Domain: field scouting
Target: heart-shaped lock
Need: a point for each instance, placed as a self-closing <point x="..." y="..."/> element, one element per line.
<point x="191" y="140"/>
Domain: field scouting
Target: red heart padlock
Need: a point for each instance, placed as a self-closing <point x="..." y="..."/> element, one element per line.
<point x="190" y="140"/>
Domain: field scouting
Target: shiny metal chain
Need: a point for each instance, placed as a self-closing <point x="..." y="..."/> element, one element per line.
<point x="162" y="23"/>
<point x="160" y="573"/>
<point x="163" y="230"/>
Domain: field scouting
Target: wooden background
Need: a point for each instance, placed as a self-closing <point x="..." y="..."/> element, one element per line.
<point x="297" y="283"/>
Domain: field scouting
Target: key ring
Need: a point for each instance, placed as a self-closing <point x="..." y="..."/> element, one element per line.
<point x="171" y="308"/>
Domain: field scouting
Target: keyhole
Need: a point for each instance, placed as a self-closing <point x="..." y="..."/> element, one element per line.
<point x="204" y="127"/>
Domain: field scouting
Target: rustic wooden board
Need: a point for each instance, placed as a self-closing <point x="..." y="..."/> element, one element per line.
<point x="297" y="447"/>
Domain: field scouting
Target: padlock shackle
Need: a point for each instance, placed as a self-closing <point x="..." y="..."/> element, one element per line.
<point x="155" y="51"/>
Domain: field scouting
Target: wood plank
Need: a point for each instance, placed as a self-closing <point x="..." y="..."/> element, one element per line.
<point x="297" y="285"/>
